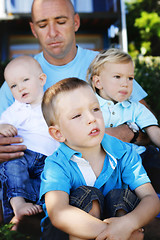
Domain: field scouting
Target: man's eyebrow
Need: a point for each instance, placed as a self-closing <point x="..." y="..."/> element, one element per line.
<point x="56" y="18"/>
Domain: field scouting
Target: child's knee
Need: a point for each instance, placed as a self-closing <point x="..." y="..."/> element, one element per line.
<point x="95" y="211"/>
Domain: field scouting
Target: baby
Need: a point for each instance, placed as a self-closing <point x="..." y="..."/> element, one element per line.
<point x="21" y="177"/>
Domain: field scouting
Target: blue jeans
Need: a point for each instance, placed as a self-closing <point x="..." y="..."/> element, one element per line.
<point x="83" y="197"/>
<point x="21" y="177"/>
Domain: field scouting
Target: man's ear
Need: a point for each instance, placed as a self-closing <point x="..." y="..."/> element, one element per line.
<point x="96" y="82"/>
<point x="76" y="22"/>
<point x="32" y="29"/>
<point x="43" y="78"/>
<point x="55" y="132"/>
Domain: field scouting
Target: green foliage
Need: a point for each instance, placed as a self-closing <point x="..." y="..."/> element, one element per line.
<point x="7" y="234"/>
<point x="143" y="26"/>
<point x="147" y="74"/>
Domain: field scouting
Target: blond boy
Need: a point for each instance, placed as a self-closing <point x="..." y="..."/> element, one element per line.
<point x="86" y="167"/>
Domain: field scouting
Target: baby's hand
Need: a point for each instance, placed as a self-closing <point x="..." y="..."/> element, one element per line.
<point x="8" y="130"/>
<point x="117" y="229"/>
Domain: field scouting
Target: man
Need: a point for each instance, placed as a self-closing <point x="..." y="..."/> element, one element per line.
<point x="54" y="24"/>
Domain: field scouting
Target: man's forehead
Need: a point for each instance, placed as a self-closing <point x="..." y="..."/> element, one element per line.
<point x="51" y="8"/>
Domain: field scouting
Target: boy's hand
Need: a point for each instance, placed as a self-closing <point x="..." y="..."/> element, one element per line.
<point x="118" y="229"/>
<point x="7" y="151"/>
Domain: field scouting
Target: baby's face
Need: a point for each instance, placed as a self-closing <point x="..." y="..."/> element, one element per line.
<point x="25" y="85"/>
<point x="80" y="118"/>
<point x="116" y="81"/>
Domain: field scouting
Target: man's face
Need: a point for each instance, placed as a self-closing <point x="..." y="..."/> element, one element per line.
<point x="54" y="24"/>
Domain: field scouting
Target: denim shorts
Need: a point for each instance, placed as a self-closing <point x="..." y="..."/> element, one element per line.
<point x="21" y="177"/>
<point x="83" y="197"/>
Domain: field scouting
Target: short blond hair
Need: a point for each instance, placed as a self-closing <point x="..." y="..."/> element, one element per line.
<point x="112" y="55"/>
<point x="49" y="106"/>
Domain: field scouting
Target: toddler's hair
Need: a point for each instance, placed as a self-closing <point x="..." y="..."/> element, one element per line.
<point x="49" y="107"/>
<point x="112" y="55"/>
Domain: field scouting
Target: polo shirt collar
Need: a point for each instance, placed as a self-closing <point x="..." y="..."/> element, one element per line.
<point x="69" y="152"/>
<point x="113" y="147"/>
<point x="103" y="102"/>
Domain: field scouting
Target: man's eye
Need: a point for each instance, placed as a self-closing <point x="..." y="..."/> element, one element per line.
<point x="42" y="26"/>
<point x="61" y="22"/>
<point x="76" y="116"/>
<point x="130" y="78"/>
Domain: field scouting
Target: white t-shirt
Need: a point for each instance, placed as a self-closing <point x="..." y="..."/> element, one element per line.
<point x="31" y="126"/>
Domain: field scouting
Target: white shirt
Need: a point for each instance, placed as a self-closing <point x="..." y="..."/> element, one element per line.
<point x="31" y="126"/>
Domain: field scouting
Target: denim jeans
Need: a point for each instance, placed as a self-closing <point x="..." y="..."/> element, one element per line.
<point x="21" y="177"/>
<point x="83" y="197"/>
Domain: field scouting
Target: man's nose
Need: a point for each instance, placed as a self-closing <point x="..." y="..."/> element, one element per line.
<point x="52" y="31"/>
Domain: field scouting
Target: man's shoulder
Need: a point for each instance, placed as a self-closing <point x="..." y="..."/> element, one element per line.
<point x="38" y="56"/>
<point x="86" y="52"/>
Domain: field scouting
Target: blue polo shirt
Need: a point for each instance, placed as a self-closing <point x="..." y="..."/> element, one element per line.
<point x="126" y="111"/>
<point x="122" y="168"/>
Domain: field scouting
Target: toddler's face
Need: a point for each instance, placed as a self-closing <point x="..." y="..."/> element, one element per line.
<point x="80" y="118"/>
<point x="25" y="85"/>
<point x="116" y="81"/>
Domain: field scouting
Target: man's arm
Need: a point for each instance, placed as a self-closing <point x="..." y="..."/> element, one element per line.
<point x="7" y="151"/>
<point x="124" y="133"/>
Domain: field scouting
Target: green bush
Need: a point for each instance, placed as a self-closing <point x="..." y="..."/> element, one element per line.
<point x="147" y="74"/>
<point x="7" y="234"/>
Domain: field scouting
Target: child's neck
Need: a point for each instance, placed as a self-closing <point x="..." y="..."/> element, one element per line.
<point x="95" y="157"/>
<point x="37" y="102"/>
<point x="112" y="100"/>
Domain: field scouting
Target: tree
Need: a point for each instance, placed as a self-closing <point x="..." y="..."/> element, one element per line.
<point x="143" y="27"/>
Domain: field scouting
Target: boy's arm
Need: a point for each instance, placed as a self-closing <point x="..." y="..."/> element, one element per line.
<point x="70" y="219"/>
<point x="149" y="206"/>
<point x="154" y="134"/>
<point x="8" y="130"/>
<point x="146" y="210"/>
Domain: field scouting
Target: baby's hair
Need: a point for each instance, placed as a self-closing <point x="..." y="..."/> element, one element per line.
<point x="112" y="55"/>
<point x="16" y="63"/>
<point x="49" y="106"/>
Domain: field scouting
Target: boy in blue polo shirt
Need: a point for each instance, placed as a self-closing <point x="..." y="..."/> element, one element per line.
<point x="111" y="75"/>
<point x="86" y="167"/>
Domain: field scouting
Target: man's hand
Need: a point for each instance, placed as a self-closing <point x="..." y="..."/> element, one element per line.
<point x="7" y="151"/>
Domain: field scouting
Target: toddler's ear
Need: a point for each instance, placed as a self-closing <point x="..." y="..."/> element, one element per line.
<point x="55" y="132"/>
<point x="42" y="78"/>
<point x="96" y="82"/>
